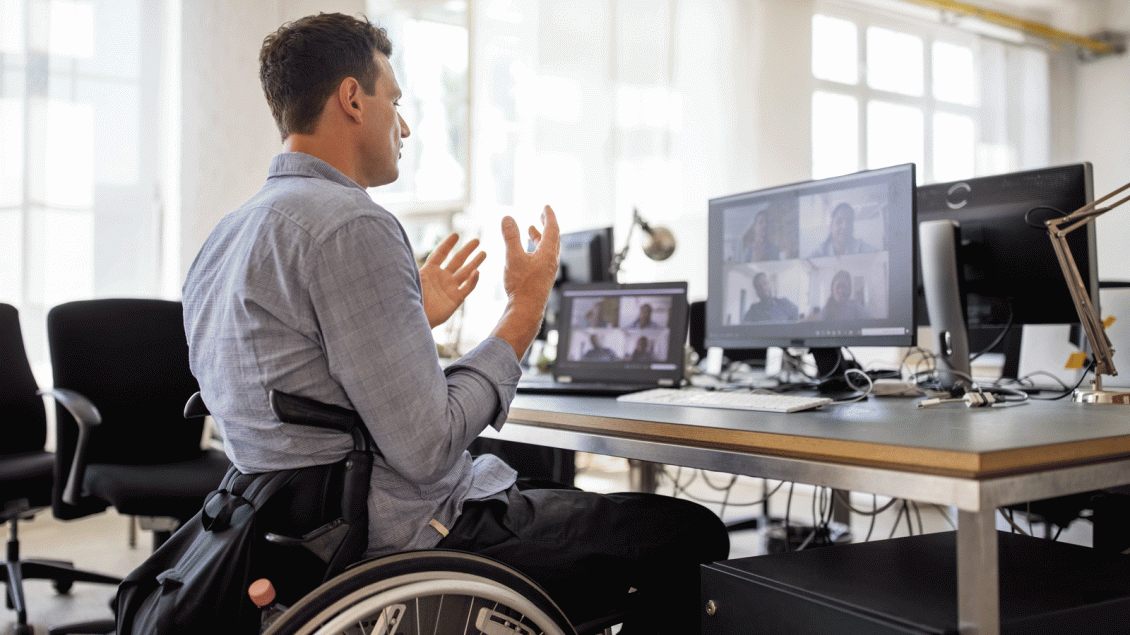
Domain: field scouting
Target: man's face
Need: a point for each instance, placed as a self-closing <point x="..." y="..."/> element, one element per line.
<point x="843" y="226"/>
<point x="761" y="285"/>
<point x="841" y="288"/>
<point x="384" y="128"/>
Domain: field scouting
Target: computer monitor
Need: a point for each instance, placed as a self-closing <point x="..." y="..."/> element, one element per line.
<point x="586" y="256"/>
<point x="820" y="264"/>
<point x="1008" y="269"/>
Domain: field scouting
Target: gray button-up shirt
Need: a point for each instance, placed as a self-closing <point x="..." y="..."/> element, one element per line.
<point x="312" y="288"/>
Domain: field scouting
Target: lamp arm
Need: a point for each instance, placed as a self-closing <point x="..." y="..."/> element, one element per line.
<point x="619" y="256"/>
<point x="1100" y="344"/>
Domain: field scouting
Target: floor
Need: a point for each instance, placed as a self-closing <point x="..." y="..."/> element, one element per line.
<point x="100" y="543"/>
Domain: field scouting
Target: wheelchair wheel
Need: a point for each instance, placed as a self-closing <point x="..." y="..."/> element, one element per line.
<point x="436" y="592"/>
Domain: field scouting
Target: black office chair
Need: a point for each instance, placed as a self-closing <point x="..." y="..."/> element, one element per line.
<point x="122" y="376"/>
<point x="26" y="472"/>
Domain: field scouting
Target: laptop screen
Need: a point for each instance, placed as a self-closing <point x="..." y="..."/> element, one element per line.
<point x="622" y="333"/>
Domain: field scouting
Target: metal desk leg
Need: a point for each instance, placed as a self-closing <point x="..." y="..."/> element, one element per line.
<point x="978" y="584"/>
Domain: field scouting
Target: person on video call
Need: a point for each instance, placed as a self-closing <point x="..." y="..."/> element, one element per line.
<point x="310" y="287"/>
<point x="644" y="321"/>
<point x="598" y="351"/>
<point x="841" y="305"/>
<point x="757" y="245"/>
<point x="841" y="240"/>
<point x="642" y="351"/>
<point x="769" y="308"/>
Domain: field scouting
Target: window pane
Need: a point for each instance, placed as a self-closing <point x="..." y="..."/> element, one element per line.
<point x="835" y="134"/>
<point x="68" y="258"/>
<point x="11" y="152"/>
<point x="894" y="61"/>
<point x="894" y="135"/>
<point x="834" y="50"/>
<point x="12" y="27"/>
<point x="116" y="131"/>
<point x="954" y="74"/>
<point x="954" y="147"/>
<point x="559" y="99"/>
<point x="69" y="168"/>
<point x="72" y="29"/>
<point x="11" y="256"/>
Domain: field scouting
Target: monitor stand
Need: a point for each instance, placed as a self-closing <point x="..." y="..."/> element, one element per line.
<point x="830" y="362"/>
<point x="938" y="243"/>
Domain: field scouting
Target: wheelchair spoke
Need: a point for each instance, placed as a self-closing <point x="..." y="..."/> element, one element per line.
<point x="439" y="612"/>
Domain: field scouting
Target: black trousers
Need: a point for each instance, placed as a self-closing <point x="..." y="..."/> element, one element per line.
<point x="587" y="550"/>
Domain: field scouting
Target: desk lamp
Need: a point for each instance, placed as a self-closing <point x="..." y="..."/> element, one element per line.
<point x="1101" y="348"/>
<point x="659" y="244"/>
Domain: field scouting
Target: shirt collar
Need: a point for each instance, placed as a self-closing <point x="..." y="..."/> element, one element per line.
<point x="302" y="164"/>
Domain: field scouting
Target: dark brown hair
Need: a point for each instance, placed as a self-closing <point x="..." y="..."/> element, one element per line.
<point x="304" y="62"/>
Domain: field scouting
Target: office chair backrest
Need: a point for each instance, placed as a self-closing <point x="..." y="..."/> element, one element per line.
<point x="130" y="358"/>
<point x="25" y="428"/>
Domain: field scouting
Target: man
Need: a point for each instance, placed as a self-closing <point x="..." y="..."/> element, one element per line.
<point x="311" y="288"/>
<point x="769" y="308"/>
<point x="598" y="351"/>
<point x="841" y="240"/>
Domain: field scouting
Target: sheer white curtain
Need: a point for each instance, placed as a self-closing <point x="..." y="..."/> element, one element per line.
<point x="79" y="214"/>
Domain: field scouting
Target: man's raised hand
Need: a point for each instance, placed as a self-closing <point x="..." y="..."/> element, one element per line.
<point x="446" y="286"/>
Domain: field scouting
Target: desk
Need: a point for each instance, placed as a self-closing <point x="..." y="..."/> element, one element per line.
<point x="974" y="459"/>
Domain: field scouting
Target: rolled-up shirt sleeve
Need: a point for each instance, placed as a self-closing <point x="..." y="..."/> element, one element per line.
<point x="365" y="289"/>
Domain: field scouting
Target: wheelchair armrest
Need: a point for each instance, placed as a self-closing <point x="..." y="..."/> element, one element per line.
<point x="311" y="412"/>
<point x="87" y="417"/>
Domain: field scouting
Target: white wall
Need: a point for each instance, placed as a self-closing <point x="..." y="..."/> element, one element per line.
<point x="1103" y="138"/>
<point x="227" y="133"/>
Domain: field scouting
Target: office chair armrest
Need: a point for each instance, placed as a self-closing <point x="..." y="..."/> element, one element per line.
<point x="86" y="415"/>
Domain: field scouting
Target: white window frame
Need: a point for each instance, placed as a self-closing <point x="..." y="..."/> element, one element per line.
<point x="926" y="103"/>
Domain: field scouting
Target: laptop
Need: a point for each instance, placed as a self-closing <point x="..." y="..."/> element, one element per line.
<point x="613" y="339"/>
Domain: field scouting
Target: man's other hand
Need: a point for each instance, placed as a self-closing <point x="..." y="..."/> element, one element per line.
<point x="446" y="286"/>
<point x="529" y="276"/>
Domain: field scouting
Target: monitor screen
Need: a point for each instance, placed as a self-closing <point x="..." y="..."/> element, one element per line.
<point x="825" y="263"/>
<point x="1009" y="270"/>
<point x="586" y="256"/>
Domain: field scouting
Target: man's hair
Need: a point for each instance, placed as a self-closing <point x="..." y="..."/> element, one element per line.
<point x="304" y="62"/>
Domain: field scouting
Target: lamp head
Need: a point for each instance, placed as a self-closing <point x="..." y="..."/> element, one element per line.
<point x="660" y="242"/>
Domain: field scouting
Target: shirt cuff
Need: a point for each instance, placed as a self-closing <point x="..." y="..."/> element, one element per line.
<point x="495" y="362"/>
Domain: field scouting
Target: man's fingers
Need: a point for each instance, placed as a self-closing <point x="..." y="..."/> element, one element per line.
<point x="471" y="283"/>
<point x="511" y="235"/>
<point x="461" y="256"/>
<point x="439" y="254"/>
<point x="471" y="268"/>
<point x="549" y="221"/>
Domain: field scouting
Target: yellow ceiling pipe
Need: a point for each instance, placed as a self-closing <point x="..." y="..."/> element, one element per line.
<point x="1038" y="29"/>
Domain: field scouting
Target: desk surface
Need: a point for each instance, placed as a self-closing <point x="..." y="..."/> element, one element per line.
<point x="950" y="439"/>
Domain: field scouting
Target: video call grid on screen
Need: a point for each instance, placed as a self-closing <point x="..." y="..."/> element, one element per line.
<point x="629" y="328"/>
<point x="826" y="262"/>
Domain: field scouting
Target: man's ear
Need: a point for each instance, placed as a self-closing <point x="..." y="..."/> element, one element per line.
<point x="348" y="93"/>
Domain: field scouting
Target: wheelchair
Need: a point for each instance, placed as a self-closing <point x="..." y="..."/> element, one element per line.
<point x="427" y="591"/>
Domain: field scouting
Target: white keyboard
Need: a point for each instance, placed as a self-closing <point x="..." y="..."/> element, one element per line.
<point x="734" y="399"/>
